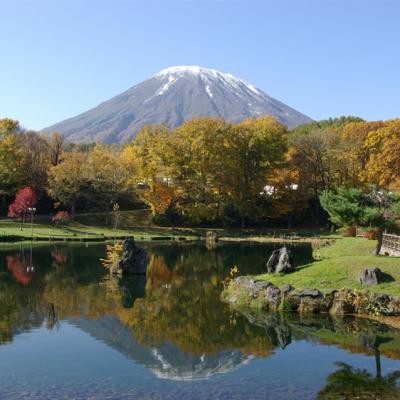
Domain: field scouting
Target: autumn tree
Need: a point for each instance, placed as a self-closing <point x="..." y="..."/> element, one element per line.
<point x="107" y="175"/>
<point x="383" y="165"/>
<point x="145" y="158"/>
<point x="354" y="152"/>
<point x="56" y="144"/>
<point x="35" y="160"/>
<point x="288" y="193"/>
<point x="253" y="150"/>
<point x="61" y="218"/>
<point x="69" y="180"/>
<point x="25" y="201"/>
<point x="313" y="154"/>
<point x="195" y="158"/>
<point x="10" y="158"/>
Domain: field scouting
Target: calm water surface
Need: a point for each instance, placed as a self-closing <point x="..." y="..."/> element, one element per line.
<point x="69" y="331"/>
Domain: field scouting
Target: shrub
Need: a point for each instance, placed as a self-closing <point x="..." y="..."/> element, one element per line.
<point x="62" y="217"/>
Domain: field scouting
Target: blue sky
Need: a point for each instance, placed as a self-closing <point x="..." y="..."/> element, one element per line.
<point x="325" y="58"/>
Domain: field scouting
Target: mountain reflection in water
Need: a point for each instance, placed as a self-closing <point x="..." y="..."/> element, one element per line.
<point x="172" y="321"/>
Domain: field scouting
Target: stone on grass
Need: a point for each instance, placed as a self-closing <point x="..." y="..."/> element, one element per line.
<point x="370" y="276"/>
<point x="281" y="261"/>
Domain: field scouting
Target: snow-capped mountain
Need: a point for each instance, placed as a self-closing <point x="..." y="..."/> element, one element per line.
<point x="170" y="97"/>
<point x="166" y="361"/>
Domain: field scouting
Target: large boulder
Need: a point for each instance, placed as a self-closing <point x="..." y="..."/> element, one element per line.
<point x="133" y="259"/>
<point x="370" y="276"/>
<point x="281" y="261"/>
<point x="343" y="303"/>
<point x="272" y="297"/>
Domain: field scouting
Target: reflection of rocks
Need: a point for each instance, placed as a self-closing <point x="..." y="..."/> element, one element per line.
<point x="350" y="333"/>
<point x="276" y="329"/>
<point x="166" y="360"/>
<point x="280" y="261"/>
<point x="131" y="288"/>
<point x="134" y="259"/>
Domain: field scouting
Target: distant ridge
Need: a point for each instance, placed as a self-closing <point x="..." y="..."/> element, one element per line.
<point x="172" y="96"/>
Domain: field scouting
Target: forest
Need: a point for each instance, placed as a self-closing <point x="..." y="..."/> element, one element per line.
<point x="207" y="172"/>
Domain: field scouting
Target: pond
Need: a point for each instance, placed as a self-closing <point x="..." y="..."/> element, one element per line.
<point x="68" y="330"/>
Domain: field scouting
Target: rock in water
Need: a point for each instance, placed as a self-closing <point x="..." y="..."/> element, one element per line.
<point x="370" y="276"/>
<point x="134" y="259"/>
<point x="281" y="260"/>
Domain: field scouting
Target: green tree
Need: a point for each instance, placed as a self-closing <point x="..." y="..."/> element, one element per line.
<point x="353" y="383"/>
<point x="344" y="206"/>
<point x="350" y="207"/>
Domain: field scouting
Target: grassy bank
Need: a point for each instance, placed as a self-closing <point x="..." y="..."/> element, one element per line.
<point x="90" y="227"/>
<point x="138" y="223"/>
<point x="337" y="266"/>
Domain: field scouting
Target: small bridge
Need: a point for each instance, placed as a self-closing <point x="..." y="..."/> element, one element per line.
<point x="390" y="245"/>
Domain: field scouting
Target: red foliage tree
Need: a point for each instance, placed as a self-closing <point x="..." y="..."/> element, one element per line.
<point x="25" y="199"/>
<point x="61" y="217"/>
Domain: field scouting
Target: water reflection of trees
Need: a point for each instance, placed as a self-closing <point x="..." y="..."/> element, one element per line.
<point x="353" y="383"/>
<point x="177" y="304"/>
<point x="348" y="382"/>
<point x="182" y="307"/>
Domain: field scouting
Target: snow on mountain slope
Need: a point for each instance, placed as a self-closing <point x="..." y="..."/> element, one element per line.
<point x="172" y="96"/>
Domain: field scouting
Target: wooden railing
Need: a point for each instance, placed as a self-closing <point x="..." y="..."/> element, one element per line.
<point x="391" y="242"/>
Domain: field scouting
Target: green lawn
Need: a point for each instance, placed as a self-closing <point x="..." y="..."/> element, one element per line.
<point x="92" y="226"/>
<point x="137" y="223"/>
<point x="338" y="265"/>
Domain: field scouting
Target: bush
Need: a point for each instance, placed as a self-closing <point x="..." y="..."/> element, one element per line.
<point x="170" y="217"/>
<point x="371" y="234"/>
<point x="62" y="217"/>
<point x="348" y="231"/>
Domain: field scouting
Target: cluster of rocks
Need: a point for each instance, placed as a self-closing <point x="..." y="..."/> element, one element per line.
<point x="250" y="292"/>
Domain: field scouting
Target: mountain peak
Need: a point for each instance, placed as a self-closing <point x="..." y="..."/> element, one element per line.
<point x="207" y="74"/>
<point x="187" y="69"/>
<point x="170" y="97"/>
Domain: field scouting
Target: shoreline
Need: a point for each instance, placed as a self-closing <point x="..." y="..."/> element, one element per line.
<point x="251" y="293"/>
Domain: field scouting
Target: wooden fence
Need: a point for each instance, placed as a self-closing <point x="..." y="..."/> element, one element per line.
<point x="390" y="245"/>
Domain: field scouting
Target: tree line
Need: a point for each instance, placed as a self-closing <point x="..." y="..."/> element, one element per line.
<point x="207" y="171"/>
